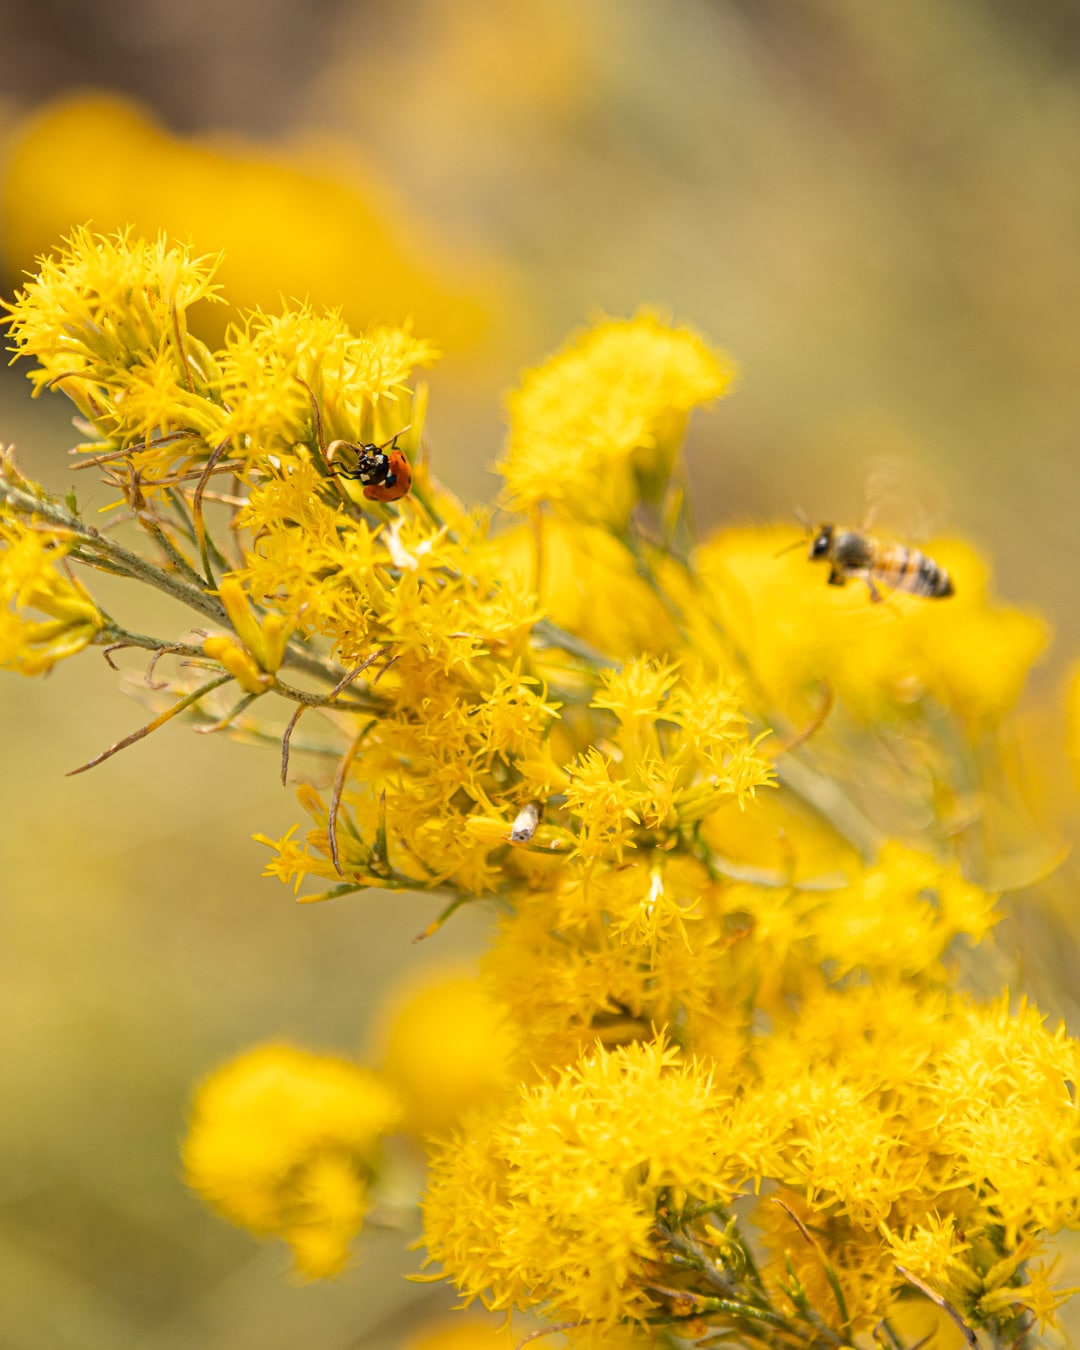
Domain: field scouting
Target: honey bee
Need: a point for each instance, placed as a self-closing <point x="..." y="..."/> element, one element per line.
<point x="852" y="554"/>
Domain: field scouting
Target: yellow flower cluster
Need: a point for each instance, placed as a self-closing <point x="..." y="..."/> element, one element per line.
<point x="738" y="822"/>
<point x="34" y="577"/>
<point x="107" y="317"/>
<point x="908" y="1135"/>
<point x="107" y="320"/>
<point x="285" y="1143"/>
<point x="598" y="428"/>
<point x="568" y="1181"/>
<point x="672" y="944"/>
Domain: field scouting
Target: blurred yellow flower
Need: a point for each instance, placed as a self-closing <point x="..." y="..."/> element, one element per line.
<point x="464" y="1333"/>
<point x="285" y="1143"/>
<point x="968" y="653"/>
<point x="447" y="1047"/>
<point x="290" y="222"/>
<point x="1072" y="719"/>
<point x="588" y="584"/>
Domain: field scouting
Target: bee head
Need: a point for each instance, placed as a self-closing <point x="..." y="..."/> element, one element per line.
<point x="822" y="542"/>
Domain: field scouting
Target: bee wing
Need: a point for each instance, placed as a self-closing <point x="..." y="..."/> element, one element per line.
<point x="904" y="498"/>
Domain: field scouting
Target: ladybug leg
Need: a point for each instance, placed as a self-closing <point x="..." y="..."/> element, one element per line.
<point x="391" y="444"/>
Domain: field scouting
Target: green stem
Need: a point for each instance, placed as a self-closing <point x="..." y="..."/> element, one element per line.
<point x="823" y="795"/>
<point x="157" y="533"/>
<point x="95" y="549"/>
<point x="551" y="635"/>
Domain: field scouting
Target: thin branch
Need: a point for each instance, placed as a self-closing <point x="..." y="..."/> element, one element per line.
<point x="335" y="799"/>
<point x="235" y="711"/>
<point x="798" y="738"/>
<point x="338" y="688"/>
<point x="320" y="435"/>
<point x="823" y="795"/>
<point x="286" y="741"/>
<point x="96" y="549"/>
<point x="178" y="333"/>
<point x="153" y="528"/>
<point x="312" y="700"/>
<point x="117" y="640"/>
<point x="547" y="1331"/>
<point x="830" y="1273"/>
<point x="380" y="852"/>
<point x="943" y="1303"/>
<point x="779" y="881"/>
<point x="122" y="452"/>
<point x="197" y="511"/>
<point x="436" y="923"/>
<point x="54" y="380"/>
<point x="159" y="721"/>
<point x="707" y="1303"/>
<point x="551" y="635"/>
<point x="193" y="475"/>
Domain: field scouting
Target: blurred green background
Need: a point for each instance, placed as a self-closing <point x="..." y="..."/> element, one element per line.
<point x="875" y="208"/>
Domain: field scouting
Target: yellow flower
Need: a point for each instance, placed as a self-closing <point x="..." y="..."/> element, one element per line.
<point x="1072" y="719"/>
<point x="935" y="1252"/>
<point x="901" y="915"/>
<point x="447" y="1047"/>
<point x="34" y="577"/>
<point x="597" y="428"/>
<point x="698" y="992"/>
<point x="274" y="365"/>
<point x="264" y="640"/>
<point x="285" y="1143"/>
<point x="331" y="236"/>
<point x="1012" y="1116"/>
<point x="106" y="319"/>
<point x="588" y="585"/>
<point x="464" y="1333"/>
<point x="555" y="1200"/>
<point x="798" y="1268"/>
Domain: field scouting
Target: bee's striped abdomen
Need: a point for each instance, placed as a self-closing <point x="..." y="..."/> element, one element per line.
<point x="906" y="569"/>
<point x="934" y="582"/>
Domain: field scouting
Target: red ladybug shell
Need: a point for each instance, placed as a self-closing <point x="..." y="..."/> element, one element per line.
<point x="397" y="482"/>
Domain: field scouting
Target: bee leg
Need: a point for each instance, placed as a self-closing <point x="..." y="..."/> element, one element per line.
<point x="836" y="578"/>
<point x="875" y="595"/>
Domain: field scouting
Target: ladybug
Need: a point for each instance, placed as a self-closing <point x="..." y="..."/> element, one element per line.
<point x="386" y="475"/>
